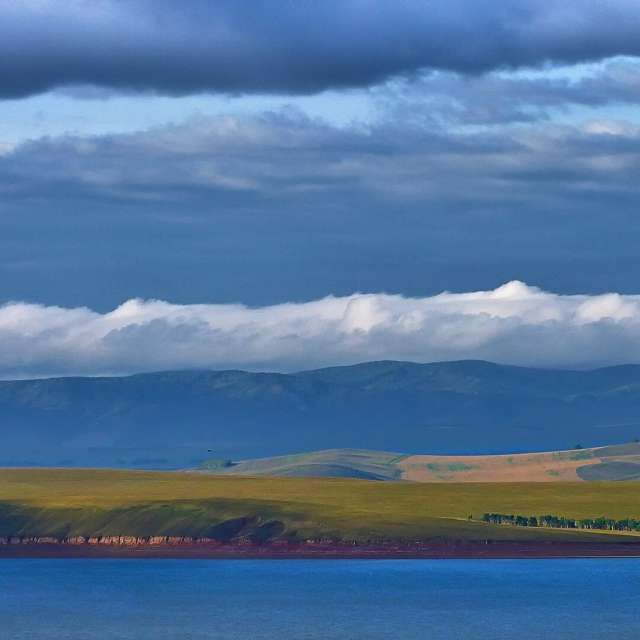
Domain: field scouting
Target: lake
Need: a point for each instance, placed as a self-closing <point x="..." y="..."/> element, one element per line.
<point x="319" y="599"/>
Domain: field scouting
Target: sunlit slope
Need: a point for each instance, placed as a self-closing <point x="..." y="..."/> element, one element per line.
<point x="332" y="463"/>
<point x="619" y="462"/>
<point x="62" y="502"/>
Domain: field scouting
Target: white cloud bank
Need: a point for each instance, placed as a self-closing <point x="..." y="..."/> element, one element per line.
<point x="515" y="324"/>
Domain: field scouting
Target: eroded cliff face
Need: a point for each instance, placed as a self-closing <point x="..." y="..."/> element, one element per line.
<point x="135" y="526"/>
<point x="208" y="548"/>
<point x="125" y="541"/>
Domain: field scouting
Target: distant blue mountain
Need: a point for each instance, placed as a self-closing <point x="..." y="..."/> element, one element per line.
<point x="175" y="419"/>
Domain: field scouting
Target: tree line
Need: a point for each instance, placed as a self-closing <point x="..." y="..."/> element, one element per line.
<point x="560" y="522"/>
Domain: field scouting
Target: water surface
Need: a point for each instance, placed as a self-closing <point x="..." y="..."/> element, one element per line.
<point x="322" y="599"/>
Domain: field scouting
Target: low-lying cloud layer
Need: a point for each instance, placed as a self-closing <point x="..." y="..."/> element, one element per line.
<point x="177" y="47"/>
<point x="514" y="324"/>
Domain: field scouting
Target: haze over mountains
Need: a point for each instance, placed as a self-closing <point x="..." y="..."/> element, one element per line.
<point x="176" y="419"/>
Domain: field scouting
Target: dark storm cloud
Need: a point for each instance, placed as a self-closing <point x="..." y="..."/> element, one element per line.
<point x="177" y="47"/>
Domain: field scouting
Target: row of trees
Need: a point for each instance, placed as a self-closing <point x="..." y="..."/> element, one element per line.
<point x="560" y="522"/>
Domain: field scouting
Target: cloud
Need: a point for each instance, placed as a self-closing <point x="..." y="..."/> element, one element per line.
<point x="173" y="47"/>
<point x="514" y="323"/>
<point x="446" y="99"/>
<point x="290" y="157"/>
<point x="281" y="206"/>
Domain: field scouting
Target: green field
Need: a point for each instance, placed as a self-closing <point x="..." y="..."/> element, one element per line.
<point x="62" y="502"/>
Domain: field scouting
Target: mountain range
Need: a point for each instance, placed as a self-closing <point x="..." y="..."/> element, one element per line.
<point x="177" y="419"/>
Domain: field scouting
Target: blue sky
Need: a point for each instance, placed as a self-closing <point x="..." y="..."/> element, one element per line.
<point x="266" y="153"/>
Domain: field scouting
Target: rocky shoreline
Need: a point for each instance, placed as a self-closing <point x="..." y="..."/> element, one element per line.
<point x="186" y="547"/>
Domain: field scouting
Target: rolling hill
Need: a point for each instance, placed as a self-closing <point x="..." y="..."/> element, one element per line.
<point x="611" y="463"/>
<point x="177" y="419"/>
<point x="333" y="463"/>
<point x="64" y="503"/>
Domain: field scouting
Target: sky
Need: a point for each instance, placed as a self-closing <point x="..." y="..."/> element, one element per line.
<point x="175" y="174"/>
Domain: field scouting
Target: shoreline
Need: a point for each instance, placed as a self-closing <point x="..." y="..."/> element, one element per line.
<point x="306" y="551"/>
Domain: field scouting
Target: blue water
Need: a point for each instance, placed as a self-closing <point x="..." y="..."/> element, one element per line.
<point x="324" y="600"/>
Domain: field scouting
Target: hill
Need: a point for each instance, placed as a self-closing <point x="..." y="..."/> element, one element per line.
<point x="332" y="463"/>
<point x="63" y="503"/>
<point x="612" y="463"/>
<point x="177" y="419"/>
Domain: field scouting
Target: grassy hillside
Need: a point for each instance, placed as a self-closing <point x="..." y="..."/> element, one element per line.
<point x="614" y="463"/>
<point x="619" y="462"/>
<point x="177" y="419"/>
<point x="61" y="503"/>
<point x="333" y="463"/>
